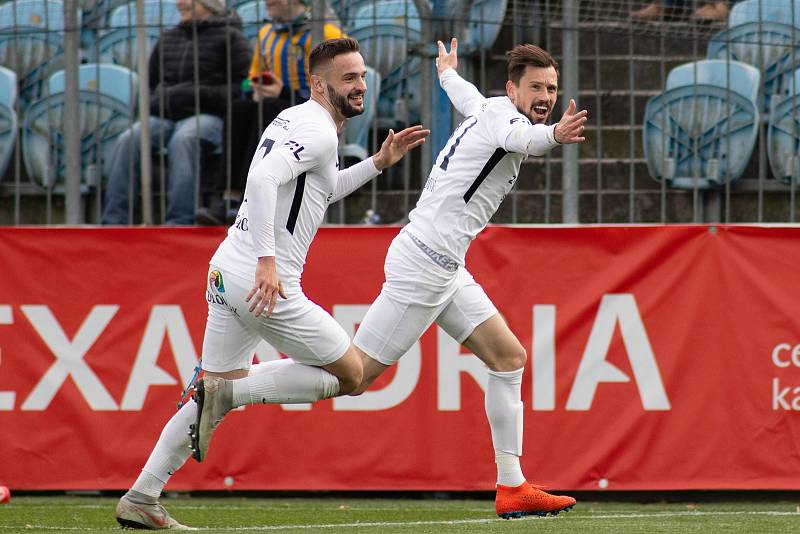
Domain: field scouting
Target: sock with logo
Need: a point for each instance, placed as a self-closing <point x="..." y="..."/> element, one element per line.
<point x="284" y="382"/>
<point x="504" y="410"/>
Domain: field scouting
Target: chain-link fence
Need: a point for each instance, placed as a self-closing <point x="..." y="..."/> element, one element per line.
<point x="680" y="130"/>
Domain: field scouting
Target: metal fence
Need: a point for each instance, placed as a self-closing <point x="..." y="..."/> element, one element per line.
<point x="681" y="158"/>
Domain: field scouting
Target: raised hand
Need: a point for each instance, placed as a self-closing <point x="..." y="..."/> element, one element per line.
<point x="447" y="60"/>
<point x="397" y="145"/>
<point x="570" y="128"/>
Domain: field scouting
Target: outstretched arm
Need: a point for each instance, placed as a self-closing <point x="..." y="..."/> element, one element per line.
<point x="465" y="97"/>
<point x="394" y="147"/>
<point x="538" y="139"/>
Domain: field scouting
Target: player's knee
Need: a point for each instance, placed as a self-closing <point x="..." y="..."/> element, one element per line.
<point x="512" y="359"/>
<point x="518" y="357"/>
<point x="350" y="381"/>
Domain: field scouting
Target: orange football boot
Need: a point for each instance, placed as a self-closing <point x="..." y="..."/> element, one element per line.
<point x="527" y="499"/>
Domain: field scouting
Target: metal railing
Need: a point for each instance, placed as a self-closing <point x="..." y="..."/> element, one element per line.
<point x="610" y="63"/>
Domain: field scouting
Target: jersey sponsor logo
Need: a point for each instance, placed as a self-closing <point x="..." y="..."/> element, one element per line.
<point x="280" y="122"/>
<point x="517" y="119"/>
<point x="215" y="280"/>
<point x="219" y="300"/>
<point x="295" y="148"/>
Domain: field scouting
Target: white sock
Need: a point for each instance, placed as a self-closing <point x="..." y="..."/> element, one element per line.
<point x="284" y="382"/>
<point x="504" y="410"/>
<point x="169" y="454"/>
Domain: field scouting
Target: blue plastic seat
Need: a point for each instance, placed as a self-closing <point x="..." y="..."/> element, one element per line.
<point x="42" y="14"/>
<point x="484" y="23"/>
<point x="386" y="29"/>
<point x="8" y="117"/>
<point x="768" y="47"/>
<point x="32" y="41"/>
<point x="783" y="136"/>
<point x="401" y="94"/>
<point x="783" y="11"/>
<point x="356" y="133"/>
<point x="112" y="80"/>
<point x="254" y="16"/>
<point x="701" y="131"/>
<point x="118" y="44"/>
<point x="106" y="97"/>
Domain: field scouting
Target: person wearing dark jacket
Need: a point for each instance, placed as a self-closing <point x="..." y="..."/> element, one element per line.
<point x="175" y="101"/>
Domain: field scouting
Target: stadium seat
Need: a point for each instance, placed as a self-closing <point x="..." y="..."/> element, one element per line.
<point x="768" y="47"/>
<point x="356" y="133"/>
<point x="783" y="136"/>
<point x="784" y="11"/>
<point x="32" y="41"/>
<point x="8" y="117"/>
<point x="113" y="80"/>
<point x="105" y="98"/>
<point x="118" y="43"/>
<point x="400" y="95"/>
<point x="253" y="15"/>
<point x="701" y="131"/>
<point x="386" y="29"/>
<point x="483" y="26"/>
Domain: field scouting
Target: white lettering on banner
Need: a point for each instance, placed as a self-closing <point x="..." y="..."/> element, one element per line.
<point x="793" y="359"/>
<point x="451" y="363"/>
<point x="69" y="357"/>
<point x="544" y="357"/>
<point x="164" y="320"/>
<point x="595" y="369"/>
<point x="6" y="397"/>
<point x="787" y="398"/>
<point x="267" y="353"/>
<point x="405" y="378"/>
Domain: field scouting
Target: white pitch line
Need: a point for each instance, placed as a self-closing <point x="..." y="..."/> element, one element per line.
<point x="575" y="517"/>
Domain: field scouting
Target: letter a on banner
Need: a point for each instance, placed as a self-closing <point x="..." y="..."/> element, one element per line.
<point x="594" y="368"/>
<point x="165" y="320"/>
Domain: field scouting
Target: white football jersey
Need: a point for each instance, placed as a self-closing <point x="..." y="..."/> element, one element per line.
<point x="298" y="152"/>
<point x="476" y="168"/>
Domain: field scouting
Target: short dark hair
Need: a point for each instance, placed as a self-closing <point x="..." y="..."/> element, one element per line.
<point x="527" y="55"/>
<point x="324" y="52"/>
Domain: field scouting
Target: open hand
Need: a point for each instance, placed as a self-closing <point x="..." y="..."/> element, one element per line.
<point x="397" y="145"/>
<point x="447" y="60"/>
<point x="570" y="128"/>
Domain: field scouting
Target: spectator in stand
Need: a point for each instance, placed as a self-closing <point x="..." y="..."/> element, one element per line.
<point x="278" y="79"/>
<point x="712" y="11"/>
<point x="174" y="103"/>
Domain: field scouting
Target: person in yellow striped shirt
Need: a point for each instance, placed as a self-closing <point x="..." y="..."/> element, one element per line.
<point x="279" y="78"/>
<point x="283" y="47"/>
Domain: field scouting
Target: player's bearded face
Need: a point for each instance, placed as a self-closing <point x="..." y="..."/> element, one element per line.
<point x="535" y="97"/>
<point x="349" y="104"/>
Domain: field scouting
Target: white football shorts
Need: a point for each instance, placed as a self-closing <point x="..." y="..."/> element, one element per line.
<point x="417" y="292"/>
<point x="297" y="327"/>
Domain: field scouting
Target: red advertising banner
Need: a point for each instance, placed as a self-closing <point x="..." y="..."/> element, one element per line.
<point x="659" y="358"/>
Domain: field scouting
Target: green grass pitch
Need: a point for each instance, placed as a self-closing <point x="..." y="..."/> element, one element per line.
<point x="334" y="515"/>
